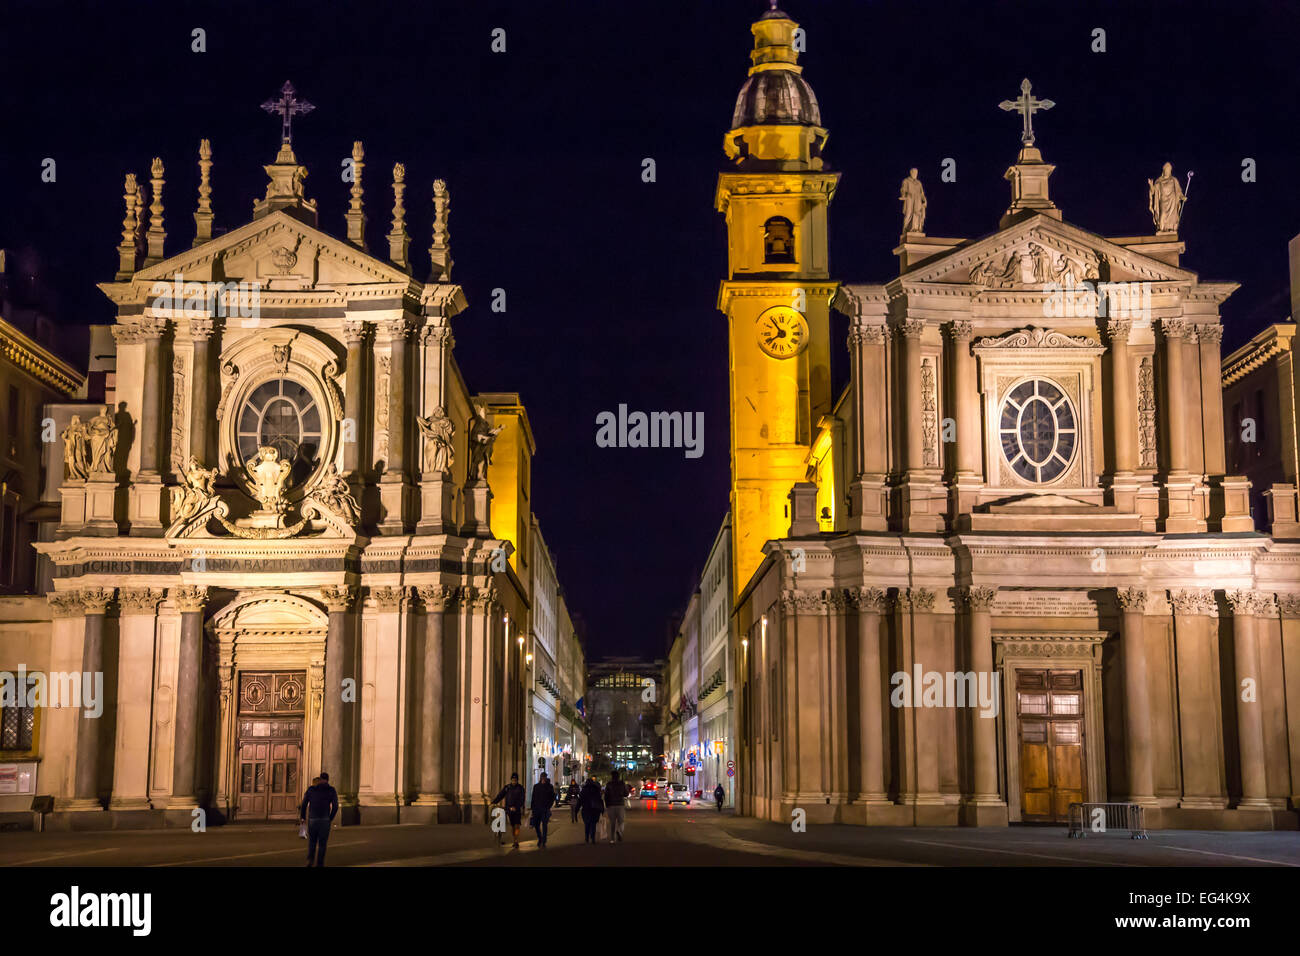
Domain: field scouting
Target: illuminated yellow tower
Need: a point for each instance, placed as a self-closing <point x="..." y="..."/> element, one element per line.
<point x="778" y="289"/>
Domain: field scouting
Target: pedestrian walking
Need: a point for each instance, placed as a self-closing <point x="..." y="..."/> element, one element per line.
<point x="302" y="824"/>
<point x="574" y="797"/>
<point x="513" y="793"/>
<point x="592" y="802"/>
<point x="616" y="806"/>
<point x="319" y="805"/>
<point x="543" y="800"/>
<point x="719" y="795"/>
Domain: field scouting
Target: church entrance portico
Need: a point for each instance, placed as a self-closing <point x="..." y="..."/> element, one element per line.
<point x="269" y="752"/>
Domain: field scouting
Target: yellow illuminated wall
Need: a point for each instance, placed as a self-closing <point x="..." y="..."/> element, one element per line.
<point x="777" y="399"/>
<point x="510" y="475"/>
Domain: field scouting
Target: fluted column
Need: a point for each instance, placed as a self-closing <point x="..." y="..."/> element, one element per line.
<point x="1250" y="717"/>
<point x="94" y="603"/>
<point x="397" y="411"/>
<point x="984" y="743"/>
<point x="1123" y="399"/>
<point x="1210" y="337"/>
<point x="870" y="461"/>
<point x="151" y="332"/>
<point x="1137" y="696"/>
<point x="190" y="600"/>
<point x="870" y="603"/>
<point x="354" y="334"/>
<point x="201" y="417"/>
<point x="435" y="599"/>
<point x="338" y="599"/>
<point x="1176" y="413"/>
<point x="965" y="393"/>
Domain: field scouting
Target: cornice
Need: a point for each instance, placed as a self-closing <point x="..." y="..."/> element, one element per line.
<point x="41" y="364"/>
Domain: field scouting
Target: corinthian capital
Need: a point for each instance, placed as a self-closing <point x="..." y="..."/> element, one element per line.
<point x="436" y="597"/>
<point x="96" y="600"/>
<point x="1132" y="599"/>
<point x="1243" y="603"/>
<point x="65" y="603"/>
<point x="1210" y="334"/>
<point x="869" y="600"/>
<point x="980" y="598"/>
<point x="1118" y="331"/>
<point x="337" y="597"/>
<point x="189" y="597"/>
<point x="389" y="598"/>
<point x="961" y="330"/>
<point x="140" y="600"/>
<point x="1174" y="328"/>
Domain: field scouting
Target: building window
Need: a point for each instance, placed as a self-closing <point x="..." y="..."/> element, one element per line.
<point x="17" y="722"/>
<point x="778" y="240"/>
<point x="281" y="414"/>
<point x="14" y="416"/>
<point x="9" y="542"/>
<point x="1038" y="431"/>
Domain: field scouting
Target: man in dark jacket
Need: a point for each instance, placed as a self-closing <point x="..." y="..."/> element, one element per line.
<point x="319" y="805"/>
<point x="543" y="800"/>
<point x="513" y="792"/>
<point x="574" y="797"/>
<point x="592" y="802"/>
<point x="719" y="795"/>
<point x="615" y="797"/>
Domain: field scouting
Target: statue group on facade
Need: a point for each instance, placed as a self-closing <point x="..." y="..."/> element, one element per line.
<point x="89" y="447"/>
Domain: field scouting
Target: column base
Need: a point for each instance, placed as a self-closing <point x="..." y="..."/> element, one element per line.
<point x="1203" y="803"/>
<point x="963" y="495"/>
<point x="478" y="510"/>
<point x="922" y="503"/>
<point x="437" y="505"/>
<point x="395" y="494"/>
<point x="874" y="813"/>
<point x="1182" y="504"/>
<point x="144" y="506"/>
<point x="101" y="506"/>
<point x="130" y="803"/>
<point x="78" y="804"/>
<point x="1282" y="516"/>
<point x="984" y="812"/>
<point x="1229" y="508"/>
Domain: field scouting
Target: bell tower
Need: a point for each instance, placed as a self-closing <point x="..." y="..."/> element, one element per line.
<point x="778" y="289"/>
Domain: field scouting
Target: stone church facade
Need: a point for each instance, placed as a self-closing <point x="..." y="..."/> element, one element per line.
<point x="1006" y="569"/>
<point x="276" y="546"/>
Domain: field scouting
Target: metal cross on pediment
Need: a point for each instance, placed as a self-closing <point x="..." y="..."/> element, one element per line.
<point x="288" y="106"/>
<point x="1027" y="105"/>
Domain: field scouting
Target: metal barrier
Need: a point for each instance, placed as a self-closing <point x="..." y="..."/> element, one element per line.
<point x="1115" y="816"/>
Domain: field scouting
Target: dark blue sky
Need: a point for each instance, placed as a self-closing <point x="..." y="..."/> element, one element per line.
<point x="611" y="282"/>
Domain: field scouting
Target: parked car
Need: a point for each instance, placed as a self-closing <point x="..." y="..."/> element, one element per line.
<point x="699" y="794"/>
<point x="677" y="793"/>
<point x="648" y="790"/>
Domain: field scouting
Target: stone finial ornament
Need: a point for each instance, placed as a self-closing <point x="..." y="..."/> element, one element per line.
<point x="156" y="236"/>
<point x="1026" y="104"/>
<point x="356" y="216"/>
<point x="440" y="251"/>
<point x="203" y="215"/>
<point x="399" y="242"/>
<point x="1165" y="199"/>
<point x="912" y="195"/>
<point x="128" y="249"/>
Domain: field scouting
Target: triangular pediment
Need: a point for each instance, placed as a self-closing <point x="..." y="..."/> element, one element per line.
<point x="276" y="251"/>
<point x="1038" y="251"/>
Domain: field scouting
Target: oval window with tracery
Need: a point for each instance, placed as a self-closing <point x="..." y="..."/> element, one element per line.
<point x="1038" y="430"/>
<point x="283" y="414"/>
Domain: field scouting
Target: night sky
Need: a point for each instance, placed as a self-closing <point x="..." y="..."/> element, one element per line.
<point x="611" y="282"/>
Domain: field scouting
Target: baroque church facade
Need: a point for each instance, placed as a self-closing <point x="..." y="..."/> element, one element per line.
<point x="277" y="544"/>
<point x="1006" y="569"/>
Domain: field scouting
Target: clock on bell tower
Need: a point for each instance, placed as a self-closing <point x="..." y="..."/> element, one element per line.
<point x="778" y="291"/>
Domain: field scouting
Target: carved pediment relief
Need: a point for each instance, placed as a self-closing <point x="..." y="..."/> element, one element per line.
<point x="1035" y="337"/>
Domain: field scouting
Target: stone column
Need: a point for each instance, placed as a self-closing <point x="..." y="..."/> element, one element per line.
<point x="397" y="411"/>
<point x="1175" y="413"/>
<point x="1123" y="398"/>
<point x="354" y="334"/>
<point x="918" y="605"/>
<point x="870" y="461"/>
<point x="200" y="406"/>
<point x="85" y="792"/>
<point x="1250" y="717"/>
<point x="1212" y="397"/>
<point x="911" y="334"/>
<point x="337" y="598"/>
<point x="870" y="603"/>
<point x="436" y="599"/>
<point x="965" y="392"/>
<point x="984" y="738"/>
<point x="151" y="332"/>
<point x="190" y="600"/>
<point x="137" y="626"/>
<point x="1138" y="744"/>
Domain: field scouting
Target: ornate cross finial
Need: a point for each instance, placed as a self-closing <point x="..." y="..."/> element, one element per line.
<point x="203" y="216"/>
<point x="1027" y="105"/>
<point x="128" y="248"/>
<point x="287" y="106"/>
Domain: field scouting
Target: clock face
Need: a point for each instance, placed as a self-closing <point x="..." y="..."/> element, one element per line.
<point x="782" y="332"/>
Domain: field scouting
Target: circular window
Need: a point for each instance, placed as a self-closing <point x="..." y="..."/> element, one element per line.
<point x="283" y="414"/>
<point x="1038" y="431"/>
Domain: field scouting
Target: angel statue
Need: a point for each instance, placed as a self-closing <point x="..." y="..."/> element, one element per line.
<point x="197" y="492"/>
<point x="481" y="438"/>
<point x="74" y="447"/>
<point x="335" y="494"/>
<point x="438" y="432"/>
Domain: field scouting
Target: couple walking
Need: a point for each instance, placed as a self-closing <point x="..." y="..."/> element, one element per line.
<point x="592" y="802"/>
<point x="543" y="799"/>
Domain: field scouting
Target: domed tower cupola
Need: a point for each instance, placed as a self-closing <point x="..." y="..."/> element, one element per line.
<point x="776" y="123"/>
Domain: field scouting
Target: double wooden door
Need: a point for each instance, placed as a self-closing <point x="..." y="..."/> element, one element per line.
<point x="269" y="755"/>
<point x="1049" y="711"/>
